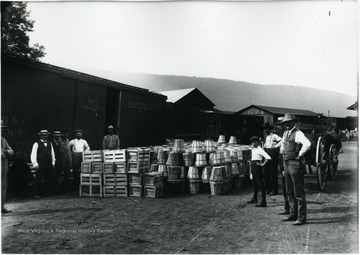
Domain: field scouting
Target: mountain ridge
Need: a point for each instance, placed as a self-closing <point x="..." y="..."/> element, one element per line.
<point x="233" y="96"/>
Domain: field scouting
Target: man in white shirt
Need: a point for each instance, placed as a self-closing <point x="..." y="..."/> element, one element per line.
<point x="43" y="160"/>
<point x="293" y="149"/>
<point x="271" y="145"/>
<point x="257" y="155"/>
<point x="77" y="147"/>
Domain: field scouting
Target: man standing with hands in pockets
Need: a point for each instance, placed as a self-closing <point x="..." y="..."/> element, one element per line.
<point x="293" y="148"/>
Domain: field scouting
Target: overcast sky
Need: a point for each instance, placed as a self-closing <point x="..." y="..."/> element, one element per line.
<point x="301" y="43"/>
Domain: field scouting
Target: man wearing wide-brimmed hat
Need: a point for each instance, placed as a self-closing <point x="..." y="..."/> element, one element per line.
<point x="77" y="147"/>
<point x="271" y="146"/>
<point x="293" y="149"/>
<point x="43" y="159"/>
<point x="6" y="151"/>
<point x="111" y="141"/>
<point x="56" y="139"/>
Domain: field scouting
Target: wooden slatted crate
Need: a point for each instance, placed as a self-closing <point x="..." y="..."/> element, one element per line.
<point x="85" y="167"/>
<point x="135" y="190"/>
<point x="138" y="167"/>
<point x="90" y="190"/>
<point x="153" y="179"/>
<point x="108" y="167"/>
<point x="154" y="192"/>
<point x="90" y="179"/>
<point x="114" y="155"/>
<point x="115" y="179"/>
<point x="138" y="154"/>
<point x="92" y="156"/>
<point x="115" y="191"/>
<point x="135" y="179"/>
<point x="97" y="167"/>
<point x="120" y="167"/>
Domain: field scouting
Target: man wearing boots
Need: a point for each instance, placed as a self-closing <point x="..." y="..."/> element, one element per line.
<point x="293" y="148"/>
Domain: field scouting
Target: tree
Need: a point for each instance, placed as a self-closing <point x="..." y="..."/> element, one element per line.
<point x="15" y="26"/>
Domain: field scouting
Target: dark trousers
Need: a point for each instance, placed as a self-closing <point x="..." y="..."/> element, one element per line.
<point x="272" y="171"/>
<point x="77" y="159"/>
<point x="66" y="166"/>
<point x="45" y="174"/>
<point x="283" y="183"/>
<point x="4" y="173"/>
<point x="294" y="178"/>
<point x="258" y="181"/>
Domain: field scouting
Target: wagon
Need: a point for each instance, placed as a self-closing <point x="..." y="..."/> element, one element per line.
<point x="324" y="152"/>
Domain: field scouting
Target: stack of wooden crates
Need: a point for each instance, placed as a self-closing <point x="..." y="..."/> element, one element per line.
<point x="138" y="164"/>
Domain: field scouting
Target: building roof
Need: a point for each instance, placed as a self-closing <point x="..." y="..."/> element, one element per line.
<point x="72" y="74"/>
<point x="353" y="107"/>
<point x="280" y="110"/>
<point x="175" y="95"/>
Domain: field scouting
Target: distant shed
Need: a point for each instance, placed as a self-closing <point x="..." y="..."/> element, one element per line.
<point x="36" y="96"/>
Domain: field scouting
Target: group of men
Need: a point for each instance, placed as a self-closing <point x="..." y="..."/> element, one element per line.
<point x="290" y="149"/>
<point x="53" y="160"/>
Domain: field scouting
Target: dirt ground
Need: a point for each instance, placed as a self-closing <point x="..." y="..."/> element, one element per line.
<point x="189" y="223"/>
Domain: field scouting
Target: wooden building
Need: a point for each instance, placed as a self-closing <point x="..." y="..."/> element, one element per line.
<point x="37" y="96"/>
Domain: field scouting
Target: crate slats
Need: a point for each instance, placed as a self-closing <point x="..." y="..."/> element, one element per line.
<point x="90" y="179"/>
<point x="153" y="179"/>
<point x="137" y="155"/>
<point x="120" y="167"/>
<point x="138" y="167"/>
<point x="115" y="191"/>
<point x="97" y="167"/>
<point x="114" y="155"/>
<point x="135" y="190"/>
<point x="135" y="179"/>
<point x="90" y="190"/>
<point x="86" y="167"/>
<point x="154" y="192"/>
<point x="115" y="179"/>
<point x="92" y="156"/>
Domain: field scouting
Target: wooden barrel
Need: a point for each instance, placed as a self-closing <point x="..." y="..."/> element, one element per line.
<point x="174" y="173"/>
<point x="234" y="156"/>
<point x="174" y="159"/>
<point x="194" y="186"/>
<point x="227" y="156"/>
<point x="162" y="168"/>
<point x="179" y="146"/>
<point x="193" y="173"/>
<point x="162" y="156"/>
<point x="235" y="169"/>
<point x="217" y="174"/>
<point x="183" y="172"/>
<point x="200" y="160"/>
<point x="154" y="168"/>
<point x="217" y="158"/>
<point x="189" y="159"/>
<point x="221" y="139"/>
<point x="216" y="188"/>
<point x="232" y="140"/>
<point x="205" y="177"/>
<point x="210" y="146"/>
<point x="197" y="147"/>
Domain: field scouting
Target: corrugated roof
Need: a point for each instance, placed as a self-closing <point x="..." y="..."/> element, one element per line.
<point x="280" y="110"/>
<point x="175" y="95"/>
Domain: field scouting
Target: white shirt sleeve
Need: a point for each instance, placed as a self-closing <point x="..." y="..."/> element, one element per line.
<point x="300" y="138"/>
<point x="52" y="154"/>
<point x="33" y="155"/>
<point x="86" y="145"/>
<point x="264" y="154"/>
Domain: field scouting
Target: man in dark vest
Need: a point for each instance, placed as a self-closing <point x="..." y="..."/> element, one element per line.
<point x="43" y="160"/>
<point x="56" y="137"/>
<point x="293" y="148"/>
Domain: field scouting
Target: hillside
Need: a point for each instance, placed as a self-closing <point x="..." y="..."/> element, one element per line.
<point x="230" y="95"/>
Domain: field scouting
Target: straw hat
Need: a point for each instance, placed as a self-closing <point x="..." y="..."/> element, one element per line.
<point x="43" y="132"/>
<point x="56" y="133"/>
<point x="288" y="117"/>
<point x="111" y="127"/>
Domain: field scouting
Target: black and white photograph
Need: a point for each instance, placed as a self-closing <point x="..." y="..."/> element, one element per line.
<point x="179" y="127"/>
